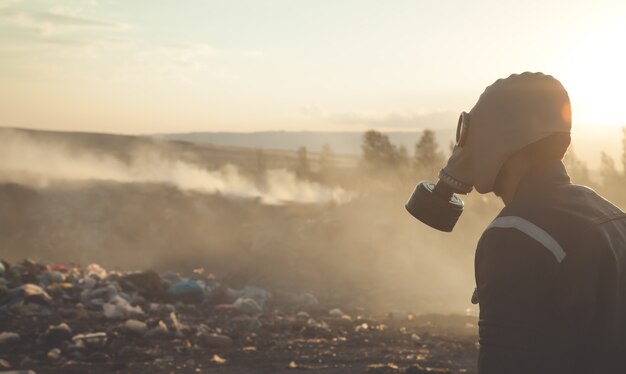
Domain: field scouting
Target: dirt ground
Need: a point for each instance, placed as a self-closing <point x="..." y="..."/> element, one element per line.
<point x="272" y="343"/>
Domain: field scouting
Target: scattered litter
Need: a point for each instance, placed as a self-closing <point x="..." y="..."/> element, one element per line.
<point x="362" y="327"/>
<point x="135" y="326"/>
<point x="92" y="340"/>
<point x="247" y="305"/>
<point x="303" y="314"/>
<point x="96" y="271"/>
<point x="4" y="364"/>
<point x="336" y="313"/>
<point x="218" y="360"/>
<point x="29" y="293"/>
<point x="70" y="319"/>
<point x="339" y="315"/>
<point x="187" y="290"/>
<point x="119" y="307"/>
<point x="383" y="368"/>
<point x="260" y="295"/>
<point x="54" y="354"/>
<point x="9" y="338"/>
<point x="58" y="333"/>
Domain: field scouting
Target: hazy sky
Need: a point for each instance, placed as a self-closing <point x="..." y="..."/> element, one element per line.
<point x="198" y="65"/>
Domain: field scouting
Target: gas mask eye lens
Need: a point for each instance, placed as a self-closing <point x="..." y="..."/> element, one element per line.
<point x="462" y="129"/>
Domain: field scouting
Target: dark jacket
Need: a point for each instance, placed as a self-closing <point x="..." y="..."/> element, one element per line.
<point x="551" y="281"/>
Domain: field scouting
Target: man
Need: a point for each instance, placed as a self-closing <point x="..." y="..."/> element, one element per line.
<point x="551" y="268"/>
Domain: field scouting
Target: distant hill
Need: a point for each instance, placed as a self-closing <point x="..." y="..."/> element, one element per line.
<point x="340" y="142"/>
<point x="588" y="142"/>
<point x="217" y="148"/>
<point x="125" y="147"/>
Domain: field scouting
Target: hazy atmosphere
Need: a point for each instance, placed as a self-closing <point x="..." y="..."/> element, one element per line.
<point x="237" y="170"/>
<point x="146" y="67"/>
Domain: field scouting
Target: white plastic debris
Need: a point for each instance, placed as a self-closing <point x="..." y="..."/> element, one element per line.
<point x="335" y="313"/>
<point x="135" y="326"/>
<point x="9" y="337"/>
<point x="338" y="314"/>
<point x="362" y="328"/>
<point x="176" y="324"/>
<point x="218" y="360"/>
<point x="260" y="295"/>
<point x="54" y="354"/>
<point x="307" y="300"/>
<point x="118" y="307"/>
<point x="313" y="324"/>
<point x="95" y="270"/>
<point x="303" y="315"/>
<point x="247" y="305"/>
<point x="92" y="340"/>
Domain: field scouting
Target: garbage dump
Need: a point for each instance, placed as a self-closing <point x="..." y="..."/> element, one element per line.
<point x="58" y="318"/>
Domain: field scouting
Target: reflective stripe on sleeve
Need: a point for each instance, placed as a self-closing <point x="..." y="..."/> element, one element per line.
<point x="532" y="230"/>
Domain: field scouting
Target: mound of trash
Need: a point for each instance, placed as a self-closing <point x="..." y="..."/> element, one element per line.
<point x="67" y="318"/>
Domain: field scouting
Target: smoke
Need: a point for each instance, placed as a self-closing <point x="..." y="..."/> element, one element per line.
<point x="31" y="162"/>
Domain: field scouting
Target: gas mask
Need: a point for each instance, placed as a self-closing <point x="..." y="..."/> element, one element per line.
<point x="510" y="114"/>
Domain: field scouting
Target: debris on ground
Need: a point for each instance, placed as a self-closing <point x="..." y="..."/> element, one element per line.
<point x="61" y="318"/>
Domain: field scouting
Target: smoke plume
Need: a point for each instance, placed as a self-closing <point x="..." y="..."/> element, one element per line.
<point x="27" y="161"/>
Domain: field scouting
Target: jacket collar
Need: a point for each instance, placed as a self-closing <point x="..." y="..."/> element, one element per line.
<point x="540" y="177"/>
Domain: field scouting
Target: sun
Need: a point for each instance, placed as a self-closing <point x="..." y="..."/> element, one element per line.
<point x="595" y="77"/>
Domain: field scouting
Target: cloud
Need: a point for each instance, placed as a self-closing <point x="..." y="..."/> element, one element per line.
<point x="73" y="36"/>
<point x="385" y="120"/>
<point x="188" y="54"/>
<point x="253" y="53"/>
<point x="8" y="3"/>
<point x="58" y="26"/>
<point x="185" y="62"/>
<point x="54" y="21"/>
<point x="181" y="62"/>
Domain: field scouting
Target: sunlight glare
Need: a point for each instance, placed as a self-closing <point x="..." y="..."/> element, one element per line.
<point x="595" y="77"/>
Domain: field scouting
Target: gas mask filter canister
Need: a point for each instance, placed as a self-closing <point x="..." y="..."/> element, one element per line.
<point x="436" y="204"/>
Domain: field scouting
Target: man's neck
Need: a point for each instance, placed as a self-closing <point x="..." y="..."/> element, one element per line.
<point x="512" y="173"/>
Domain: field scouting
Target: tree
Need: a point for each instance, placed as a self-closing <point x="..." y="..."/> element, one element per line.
<point x="624" y="151"/>
<point x="378" y="152"/>
<point x="261" y="162"/>
<point x="402" y="156"/>
<point x="428" y="158"/>
<point x="327" y="161"/>
<point x="303" y="168"/>
<point x="610" y="175"/>
<point x="576" y="167"/>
